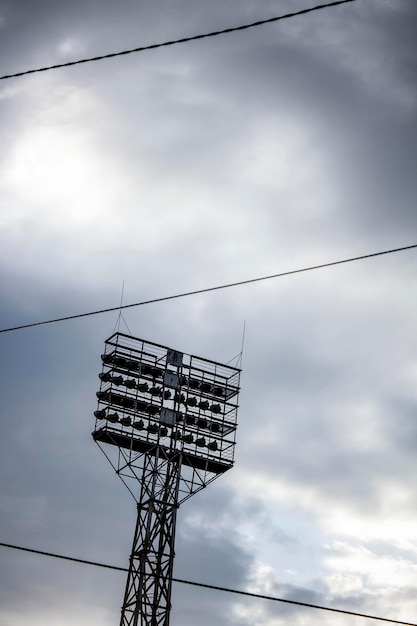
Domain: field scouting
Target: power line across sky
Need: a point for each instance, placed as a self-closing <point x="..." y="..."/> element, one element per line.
<point x="173" y="42"/>
<point x="208" y="289"/>
<point x="215" y="587"/>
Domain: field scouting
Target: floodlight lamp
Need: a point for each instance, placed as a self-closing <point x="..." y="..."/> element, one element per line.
<point x="101" y="415"/>
<point x="201" y="442"/>
<point x="125" y="421"/>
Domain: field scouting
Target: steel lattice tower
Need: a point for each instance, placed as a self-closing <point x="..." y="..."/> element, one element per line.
<point x="166" y="421"/>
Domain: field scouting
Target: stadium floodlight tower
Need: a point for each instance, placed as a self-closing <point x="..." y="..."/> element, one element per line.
<point x="167" y="420"/>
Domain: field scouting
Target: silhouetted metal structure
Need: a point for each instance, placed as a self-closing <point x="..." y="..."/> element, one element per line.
<point x="167" y="421"/>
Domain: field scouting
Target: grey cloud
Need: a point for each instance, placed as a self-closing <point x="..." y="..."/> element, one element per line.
<point x="328" y="356"/>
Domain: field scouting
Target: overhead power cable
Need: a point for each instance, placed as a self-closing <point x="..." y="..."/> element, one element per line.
<point x="178" y="41"/>
<point x="207" y="289"/>
<point x="214" y="587"/>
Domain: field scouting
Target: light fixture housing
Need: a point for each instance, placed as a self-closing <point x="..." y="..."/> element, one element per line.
<point x="185" y="403"/>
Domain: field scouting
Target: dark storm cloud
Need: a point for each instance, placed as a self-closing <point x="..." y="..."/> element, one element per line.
<point x="281" y="613"/>
<point x="311" y="383"/>
<point x="211" y="557"/>
<point x="402" y="432"/>
<point x="362" y="143"/>
<point x="244" y="155"/>
<point x="360" y="126"/>
<point x="41" y="590"/>
<point x="366" y="139"/>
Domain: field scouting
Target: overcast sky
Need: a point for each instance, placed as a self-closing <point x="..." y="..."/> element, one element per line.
<point x="180" y="168"/>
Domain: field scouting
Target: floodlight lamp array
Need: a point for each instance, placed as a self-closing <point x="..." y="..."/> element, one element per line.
<point x="154" y="397"/>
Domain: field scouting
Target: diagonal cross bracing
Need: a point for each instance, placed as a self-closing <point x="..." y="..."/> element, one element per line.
<point x="147" y="599"/>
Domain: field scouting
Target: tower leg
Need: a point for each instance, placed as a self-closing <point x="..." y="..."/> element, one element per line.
<point x="147" y="600"/>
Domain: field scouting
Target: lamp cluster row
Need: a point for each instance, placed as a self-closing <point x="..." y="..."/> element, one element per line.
<point x="155" y="428"/>
<point x="128" y="403"/>
<point x="156" y="391"/>
<point x="152" y="410"/>
<point x="153" y="372"/>
<point x="193" y="402"/>
<point x="133" y="366"/>
<point x="131" y="383"/>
